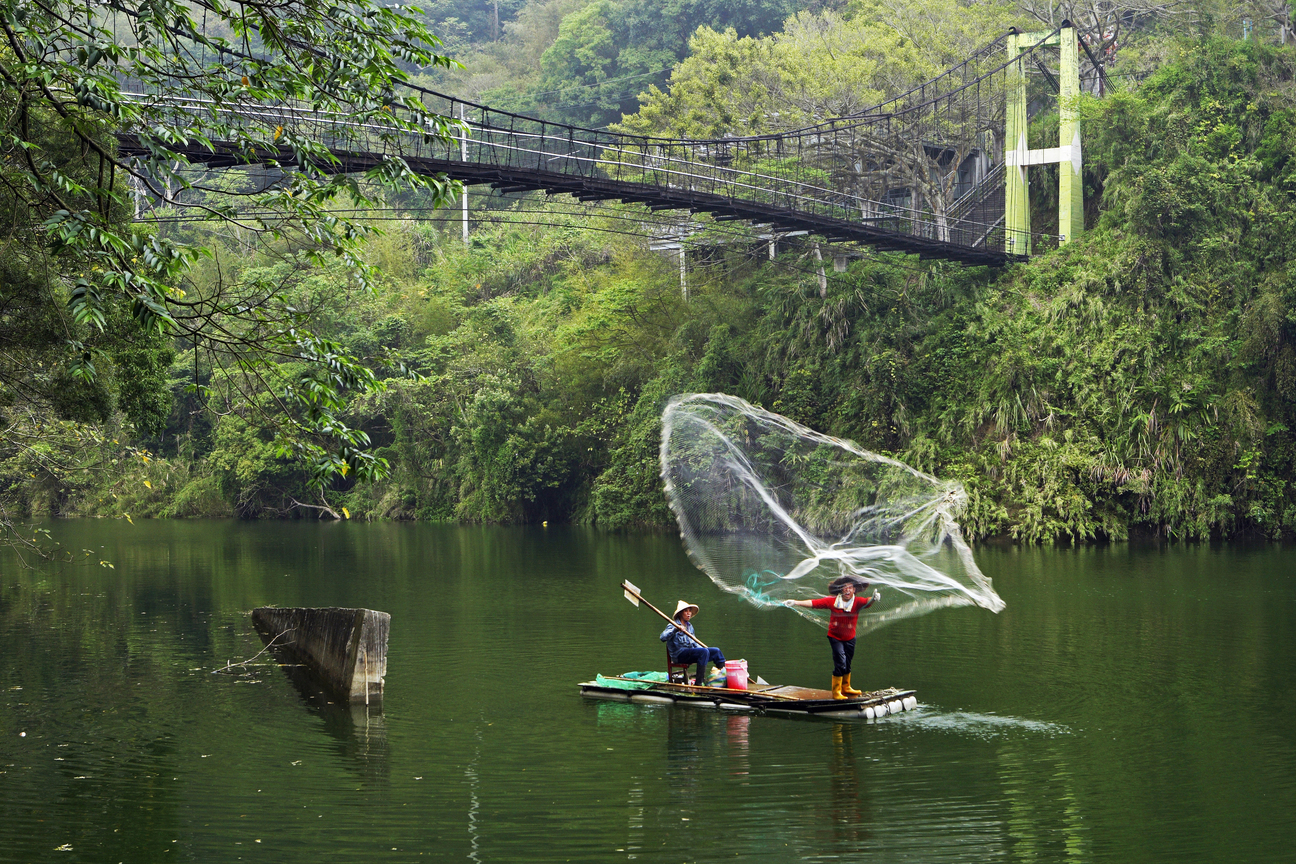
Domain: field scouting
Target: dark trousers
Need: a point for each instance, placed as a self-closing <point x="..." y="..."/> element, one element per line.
<point x="701" y="656"/>
<point x="843" y="654"/>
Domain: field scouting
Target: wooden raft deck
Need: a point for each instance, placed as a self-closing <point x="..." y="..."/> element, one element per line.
<point x="762" y="699"/>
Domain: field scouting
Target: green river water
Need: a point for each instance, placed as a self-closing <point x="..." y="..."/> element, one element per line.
<point x="1133" y="703"/>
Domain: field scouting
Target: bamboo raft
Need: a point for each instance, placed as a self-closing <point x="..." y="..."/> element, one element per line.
<point x="759" y="698"/>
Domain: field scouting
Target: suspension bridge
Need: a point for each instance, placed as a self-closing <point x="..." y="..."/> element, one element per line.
<point x="940" y="171"/>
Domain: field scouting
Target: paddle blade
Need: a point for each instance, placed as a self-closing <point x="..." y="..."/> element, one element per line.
<point x="631" y="592"/>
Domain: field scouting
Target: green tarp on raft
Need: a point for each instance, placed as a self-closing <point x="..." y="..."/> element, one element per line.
<point x="642" y="680"/>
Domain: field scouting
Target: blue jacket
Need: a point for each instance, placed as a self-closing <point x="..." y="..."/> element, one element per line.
<point x="677" y="641"/>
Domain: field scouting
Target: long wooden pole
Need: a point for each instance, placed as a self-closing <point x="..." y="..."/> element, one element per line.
<point x="630" y="589"/>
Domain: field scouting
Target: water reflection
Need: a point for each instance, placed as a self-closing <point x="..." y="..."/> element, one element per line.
<point x="848" y="810"/>
<point x="472" y="776"/>
<point x="634" y="819"/>
<point x="700" y="743"/>
<point x="738" y="733"/>
<point x="690" y="749"/>
<point x="1044" y="820"/>
<point x="359" y="732"/>
<point x="360" y="736"/>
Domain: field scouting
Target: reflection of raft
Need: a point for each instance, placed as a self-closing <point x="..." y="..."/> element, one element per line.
<point x="761" y="698"/>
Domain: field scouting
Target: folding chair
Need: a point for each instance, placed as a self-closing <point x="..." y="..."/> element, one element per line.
<point x="677" y="672"/>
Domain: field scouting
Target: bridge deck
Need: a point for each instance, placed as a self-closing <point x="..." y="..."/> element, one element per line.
<point x="593" y="188"/>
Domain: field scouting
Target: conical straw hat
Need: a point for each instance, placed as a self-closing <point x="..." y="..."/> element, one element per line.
<point x="835" y="587"/>
<point x="681" y="606"/>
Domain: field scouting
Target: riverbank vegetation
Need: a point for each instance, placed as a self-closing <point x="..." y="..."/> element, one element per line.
<point x="1142" y="379"/>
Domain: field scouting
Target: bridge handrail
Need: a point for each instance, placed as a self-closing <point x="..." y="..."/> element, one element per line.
<point x="979" y="79"/>
<point x="873" y="113"/>
<point x="789" y="189"/>
<point x="621" y="140"/>
<point x="985" y="50"/>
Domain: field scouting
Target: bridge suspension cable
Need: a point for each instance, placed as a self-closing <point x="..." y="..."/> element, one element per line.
<point x="922" y="172"/>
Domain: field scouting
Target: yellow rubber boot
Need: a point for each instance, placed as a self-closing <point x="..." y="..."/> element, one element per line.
<point x="836" y="687"/>
<point x="847" y="690"/>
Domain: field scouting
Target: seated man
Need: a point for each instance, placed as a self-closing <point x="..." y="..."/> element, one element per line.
<point x="684" y="649"/>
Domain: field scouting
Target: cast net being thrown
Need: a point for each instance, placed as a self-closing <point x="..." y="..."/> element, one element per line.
<point x="771" y="510"/>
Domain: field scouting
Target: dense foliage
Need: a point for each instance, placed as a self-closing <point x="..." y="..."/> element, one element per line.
<point x="1140" y="380"/>
<point x="585" y="61"/>
<point x="93" y="303"/>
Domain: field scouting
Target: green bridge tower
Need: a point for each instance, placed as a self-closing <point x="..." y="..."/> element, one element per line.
<point x="1018" y="156"/>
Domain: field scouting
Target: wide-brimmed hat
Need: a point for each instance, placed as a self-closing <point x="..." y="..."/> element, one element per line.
<point x="681" y="606"/>
<point x="835" y="586"/>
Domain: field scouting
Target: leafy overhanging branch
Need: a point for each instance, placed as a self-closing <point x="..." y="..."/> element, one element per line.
<point x="165" y="73"/>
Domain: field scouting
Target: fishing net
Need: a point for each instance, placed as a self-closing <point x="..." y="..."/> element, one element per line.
<point x="772" y="511"/>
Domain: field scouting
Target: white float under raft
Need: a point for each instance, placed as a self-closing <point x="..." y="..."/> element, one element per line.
<point x="643" y="688"/>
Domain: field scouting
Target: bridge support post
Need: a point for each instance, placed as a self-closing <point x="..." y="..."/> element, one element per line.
<point x="1070" y="171"/>
<point x="1018" y="156"/>
<point x="1016" y="179"/>
<point x="683" y="270"/>
<point x="463" y="154"/>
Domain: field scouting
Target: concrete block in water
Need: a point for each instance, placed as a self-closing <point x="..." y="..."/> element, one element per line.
<point x="345" y="649"/>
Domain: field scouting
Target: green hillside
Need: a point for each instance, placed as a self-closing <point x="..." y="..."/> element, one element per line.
<point x="1141" y="380"/>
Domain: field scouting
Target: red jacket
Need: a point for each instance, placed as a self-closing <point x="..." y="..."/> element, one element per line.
<point x="841" y="625"/>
